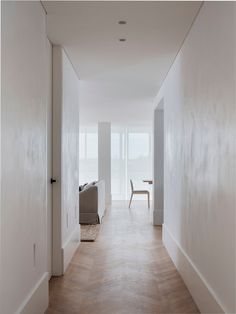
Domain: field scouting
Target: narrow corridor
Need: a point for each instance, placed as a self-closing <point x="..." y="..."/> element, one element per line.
<point x="126" y="271"/>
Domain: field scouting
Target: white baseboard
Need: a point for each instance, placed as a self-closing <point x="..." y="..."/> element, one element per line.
<point x="70" y="247"/>
<point x="37" y="300"/>
<point x="157" y="217"/>
<point x="201" y="292"/>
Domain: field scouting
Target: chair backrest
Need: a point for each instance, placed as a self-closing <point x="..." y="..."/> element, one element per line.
<point x="132" y="186"/>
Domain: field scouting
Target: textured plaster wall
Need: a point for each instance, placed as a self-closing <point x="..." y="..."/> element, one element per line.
<point x="200" y="149"/>
<point x="23" y="151"/>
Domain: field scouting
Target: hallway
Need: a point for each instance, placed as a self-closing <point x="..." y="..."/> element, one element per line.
<point x="125" y="271"/>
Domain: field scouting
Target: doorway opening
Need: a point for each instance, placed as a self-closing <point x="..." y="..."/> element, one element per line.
<point x="131" y="159"/>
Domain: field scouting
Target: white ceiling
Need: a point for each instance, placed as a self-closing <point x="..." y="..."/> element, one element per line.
<point x="119" y="80"/>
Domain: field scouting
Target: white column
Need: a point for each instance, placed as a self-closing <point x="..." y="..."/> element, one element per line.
<point x="104" y="156"/>
<point x="158" y="167"/>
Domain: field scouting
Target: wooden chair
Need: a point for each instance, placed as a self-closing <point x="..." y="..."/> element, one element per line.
<point x="138" y="192"/>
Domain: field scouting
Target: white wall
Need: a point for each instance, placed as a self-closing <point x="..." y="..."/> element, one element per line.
<point x="158" y="165"/>
<point x="1" y="286"/>
<point x="49" y="157"/>
<point x="200" y="157"/>
<point x="104" y="157"/>
<point x="23" y="281"/>
<point x="65" y="161"/>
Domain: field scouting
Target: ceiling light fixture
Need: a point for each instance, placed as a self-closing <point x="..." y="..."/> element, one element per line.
<point x="122" y="22"/>
<point x="122" y="39"/>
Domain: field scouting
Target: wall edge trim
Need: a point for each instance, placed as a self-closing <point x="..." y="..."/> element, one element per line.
<point x="201" y="291"/>
<point x="37" y="297"/>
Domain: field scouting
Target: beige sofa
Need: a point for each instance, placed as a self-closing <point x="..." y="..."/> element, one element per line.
<point x="92" y="203"/>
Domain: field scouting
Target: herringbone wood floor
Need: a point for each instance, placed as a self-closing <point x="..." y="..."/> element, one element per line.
<point x="126" y="271"/>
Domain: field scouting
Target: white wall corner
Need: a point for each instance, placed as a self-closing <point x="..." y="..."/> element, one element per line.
<point x="37" y="300"/>
<point x="108" y="200"/>
<point x="158" y="165"/>
<point x="201" y="292"/>
<point x="158" y="217"/>
<point x="70" y="247"/>
<point x="66" y="228"/>
<point x="104" y="157"/>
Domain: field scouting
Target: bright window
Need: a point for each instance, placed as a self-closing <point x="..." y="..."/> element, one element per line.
<point x="131" y="152"/>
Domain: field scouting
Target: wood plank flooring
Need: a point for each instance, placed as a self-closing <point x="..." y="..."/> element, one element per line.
<point x="126" y="271"/>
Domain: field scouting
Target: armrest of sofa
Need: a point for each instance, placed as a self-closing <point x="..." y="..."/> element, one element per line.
<point x="88" y="200"/>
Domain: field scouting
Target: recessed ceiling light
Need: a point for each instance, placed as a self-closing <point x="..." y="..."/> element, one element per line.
<point x="122" y="39"/>
<point x="122" y="22"/>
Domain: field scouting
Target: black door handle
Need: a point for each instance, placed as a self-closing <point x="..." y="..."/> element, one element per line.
<point x="53" y="180"/>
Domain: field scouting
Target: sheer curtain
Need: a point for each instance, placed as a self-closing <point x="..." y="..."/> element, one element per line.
<point x="88" y="155"/>
<point x="131" y="158"/>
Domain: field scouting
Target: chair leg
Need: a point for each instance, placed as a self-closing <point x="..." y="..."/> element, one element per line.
<point x="130" y="200"/>
<point x="148" y="200"/>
